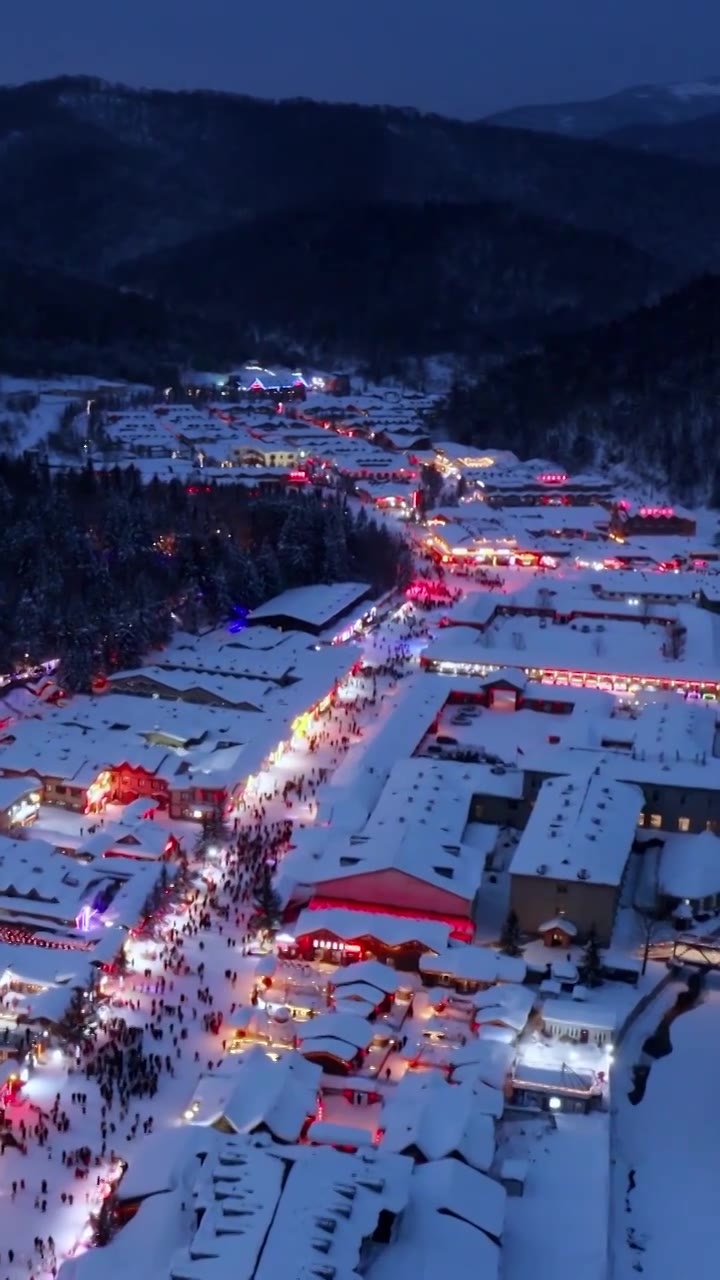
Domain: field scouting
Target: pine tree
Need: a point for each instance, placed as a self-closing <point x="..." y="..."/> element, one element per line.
<point x="335" y="551"/>
<point x="510" y="936"/>
<point x="269" y="571"/>
<point x="296" y="545"/>
<point x="78" y="664"/>
<point x="73" y="1021"/>
<point x="219" y="597"/>
<point x="591" y="967"/>
<point x="268" y="905"/>
<point x="215" y="832"/>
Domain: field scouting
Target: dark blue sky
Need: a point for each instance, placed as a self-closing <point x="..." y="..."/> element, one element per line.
<point x="462" y="57"/>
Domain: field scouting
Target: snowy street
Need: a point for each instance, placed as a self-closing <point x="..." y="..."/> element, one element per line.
<point x="188" y="970"/>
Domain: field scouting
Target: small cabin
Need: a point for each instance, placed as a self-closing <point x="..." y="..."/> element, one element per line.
<point x="558" y="932"/>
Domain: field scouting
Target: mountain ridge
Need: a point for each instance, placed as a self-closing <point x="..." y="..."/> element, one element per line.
<point x="155" y="168"/>
<point x="637" y="105"/>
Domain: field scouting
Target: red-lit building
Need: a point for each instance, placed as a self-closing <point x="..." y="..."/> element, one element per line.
<point x="341" y="936"/>
<point x="628" y="522"/>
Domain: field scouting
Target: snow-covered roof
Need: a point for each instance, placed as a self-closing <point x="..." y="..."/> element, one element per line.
<point x="163" y="1161"/>
<point x="393" y="931"/>
<point x="672" y="730"/>
<point x="350" y="1028"/>
<point x="437" y="1119"/>
<point x="239" y="1190"/>
<point x="559" y="922"/>
<point x="13" y="789"/>
<point x="487" y="1061"/>
<point x="690" y="866"/>
<point x="330" y="1185"/>
<point x="276" y="1094"/>
<point x="611" y="637"/>
<point x="230" y="690"/>
<point x="324" y="1132"/>
<point x="310" y="1215"/>
<point x="316" y="605"/>
<point x="465" y="1193"/>
<point x="329" y="1047"/>
<point x="581" y="827"/>
<point x="420" y="812"/>
<point x="475" y="964"/>
<point x="171" y="739"/>
<point x="508" y="1003"/>
<point x="372" y="973"/>
<point x="450" y="867"/>
<point x="429" y="1243"/>
<point x="142" y="1249"/>
<point x="571" y="1014"/>
<point x="576" y="1080"/>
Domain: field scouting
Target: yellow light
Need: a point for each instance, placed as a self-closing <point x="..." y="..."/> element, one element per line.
<point x="99" y="789"/>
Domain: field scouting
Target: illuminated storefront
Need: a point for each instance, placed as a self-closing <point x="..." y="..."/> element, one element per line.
<point x="610" y="682"/>
<point x="24" y="810"/>
<point x="99" y="792"/>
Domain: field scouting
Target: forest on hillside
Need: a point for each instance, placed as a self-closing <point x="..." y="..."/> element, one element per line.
<point x="96" y="566"/>
<point x="643" y="391"/>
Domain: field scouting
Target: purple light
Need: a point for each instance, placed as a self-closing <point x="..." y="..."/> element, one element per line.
<point x="85" y="919"/>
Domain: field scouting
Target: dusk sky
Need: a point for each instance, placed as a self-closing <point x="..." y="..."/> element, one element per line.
<point x="461" y="57"/>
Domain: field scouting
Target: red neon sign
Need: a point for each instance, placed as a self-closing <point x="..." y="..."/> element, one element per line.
<point x="298" y="477"/>
<point x="553" y="477"/>
<point x="657" y="512"/>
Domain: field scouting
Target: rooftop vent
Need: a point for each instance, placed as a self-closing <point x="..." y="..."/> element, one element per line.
<point x="583" y="874"/>
<point x="372" y="1184"/>
<point x="346" y="1189"/>
<point x="542" y="869"/>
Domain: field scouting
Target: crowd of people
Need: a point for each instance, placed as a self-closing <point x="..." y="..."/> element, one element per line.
<point x="172" y="1005"/>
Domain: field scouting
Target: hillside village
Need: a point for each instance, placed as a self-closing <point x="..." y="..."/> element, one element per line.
<point x="363" y="897"/>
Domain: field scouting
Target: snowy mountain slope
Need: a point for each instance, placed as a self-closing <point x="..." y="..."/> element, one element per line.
<point x="641" y="105"/>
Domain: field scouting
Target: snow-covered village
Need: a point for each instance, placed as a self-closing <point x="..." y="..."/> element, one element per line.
<point x="371" y="917"/>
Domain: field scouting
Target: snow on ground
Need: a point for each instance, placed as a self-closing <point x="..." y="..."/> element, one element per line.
<point x="559" y="1226"/>
<point x="562" y="1220"/>
<point x="669" y="1141"/>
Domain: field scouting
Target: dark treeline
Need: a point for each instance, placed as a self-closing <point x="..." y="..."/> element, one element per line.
<point x="643" y="391"/>
<point x="94" y="564"/>
<point x="394" y="279"/>
<point x="340" y="232"/>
